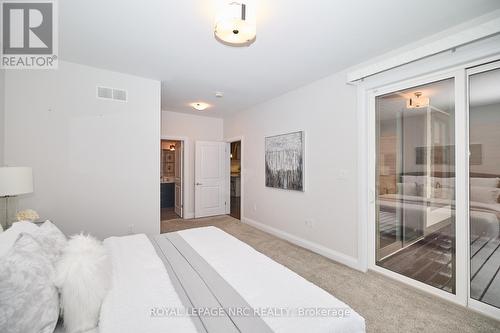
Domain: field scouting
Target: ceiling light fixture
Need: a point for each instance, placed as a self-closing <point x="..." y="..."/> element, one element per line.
<point x="417" y="102"/>
<point x="235" y="24"/>
<point x="200" y="106"/>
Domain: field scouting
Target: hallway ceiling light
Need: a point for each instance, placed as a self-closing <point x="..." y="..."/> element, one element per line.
<point x="200" y="106"/>
<point x="235" y="24"/>
<point x="417" y="102"/>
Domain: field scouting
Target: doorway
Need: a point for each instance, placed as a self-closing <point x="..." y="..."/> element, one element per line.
<point x="235" y="183"/>
<point x="415" y="177"/>
<point x="211" y="187"/>
<point x="435" y="179"/>
<point x="171" y="179"/>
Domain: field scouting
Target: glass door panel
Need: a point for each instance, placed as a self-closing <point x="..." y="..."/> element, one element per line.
<point x="416" y="183"/>
<point x="484" y="192"/>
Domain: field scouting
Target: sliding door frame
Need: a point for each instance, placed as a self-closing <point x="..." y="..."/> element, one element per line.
<point x="460" y="265"/>
<point x="367" y="94"/>
<point x="476" y="305"/>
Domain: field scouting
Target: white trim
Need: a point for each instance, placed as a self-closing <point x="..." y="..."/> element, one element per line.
<point x="478" y="306"/>
<point x="241" y="139"/>
<point x="461" y="178"/>
<point x="314" y="247"/>
<point x="457" y="39"/>
<point x="362" y="179"/>
<point x="485" y="309"/>
<point x="189" y="215"/>
<point x="370" y="180"/>
<point x="185" y="170"/>
<point x="417" y="284"/>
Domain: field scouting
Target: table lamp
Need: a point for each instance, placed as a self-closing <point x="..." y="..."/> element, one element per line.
<point x="14" y="181"/>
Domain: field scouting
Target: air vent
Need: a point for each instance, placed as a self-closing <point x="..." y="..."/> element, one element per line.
<point x="103" y="92"/>
<point x="120" y="95"/>
<point x="112" y="93"/>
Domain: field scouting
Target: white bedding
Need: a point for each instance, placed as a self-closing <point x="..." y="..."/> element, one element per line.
<point x="140" y="282"/>
<point x="265" y="284"/>
<point x="484" y="216"/>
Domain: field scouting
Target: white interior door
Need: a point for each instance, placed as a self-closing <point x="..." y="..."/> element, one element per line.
<point x="178" y="178"/>
<point x="211" y="195"/>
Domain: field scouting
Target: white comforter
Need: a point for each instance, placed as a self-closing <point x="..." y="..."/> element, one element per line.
<point x="264" y="284"/>
<point x="141" y="282"/>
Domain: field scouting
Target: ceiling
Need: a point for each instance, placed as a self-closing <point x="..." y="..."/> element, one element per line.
<point x="297" y="42"/>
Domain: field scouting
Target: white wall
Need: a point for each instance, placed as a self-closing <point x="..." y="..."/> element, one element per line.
<point x="176" y="125"/>
<point x="95" y="162"/>
<point x="484" y="129"/>
<point x="326" y="111"/>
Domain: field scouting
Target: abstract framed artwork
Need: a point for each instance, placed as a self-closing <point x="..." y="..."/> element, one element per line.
<point x="285" y="161"/>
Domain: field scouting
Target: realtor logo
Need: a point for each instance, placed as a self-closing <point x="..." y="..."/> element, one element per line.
<point x="29" y="34"/>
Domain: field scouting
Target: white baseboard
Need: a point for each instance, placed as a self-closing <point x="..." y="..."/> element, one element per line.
<point x="317" y="248"/>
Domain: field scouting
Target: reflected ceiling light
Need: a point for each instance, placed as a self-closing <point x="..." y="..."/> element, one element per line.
<point x="235" y="24"/>
<point x="200" y="106"/>
<point x="172" y="147"/>
<point x="417" y="102"/>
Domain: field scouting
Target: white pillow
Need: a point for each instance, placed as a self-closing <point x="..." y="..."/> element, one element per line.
<point x="51" y="239"/>
<point x="422" y="190"/>
<point x="409" y="179"/>
<point x="9" y="236"/>
<point x="407" y="188"/>
<point x="83" y="275"/>
<point x="438" y="182"/>
<point x="29" y="301"/>
<point x="484" y="194"/>
<point x="443" y="193"/>
<point x="485" y="182"/>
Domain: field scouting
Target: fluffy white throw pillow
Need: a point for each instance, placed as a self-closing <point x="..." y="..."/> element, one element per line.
<point x="83" y="275"/>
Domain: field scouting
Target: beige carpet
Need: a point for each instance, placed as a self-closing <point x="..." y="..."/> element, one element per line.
<point x="386" y="305"/>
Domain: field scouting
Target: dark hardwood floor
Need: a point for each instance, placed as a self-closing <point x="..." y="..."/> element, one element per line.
<point x="429" y="260"/>
<point x="235" y="207"/>
<point x="432" y="259"/>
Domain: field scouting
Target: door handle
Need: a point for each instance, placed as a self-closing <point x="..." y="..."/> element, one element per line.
<point x="371" y="196"/>
<point x="198" y="184"/>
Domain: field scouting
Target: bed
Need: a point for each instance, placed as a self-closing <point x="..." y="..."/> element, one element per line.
<point x="196" y="280"/>
<point x="485" y="217"/>
<point x="205" y="280"/>
<point x="429" y="202"/>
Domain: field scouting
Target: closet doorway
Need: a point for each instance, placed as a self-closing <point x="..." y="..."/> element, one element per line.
<point x="235" y="181"/>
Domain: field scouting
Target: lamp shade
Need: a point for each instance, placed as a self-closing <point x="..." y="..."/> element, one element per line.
<point x="235" y="24"/>
<point x="15" y="181"/>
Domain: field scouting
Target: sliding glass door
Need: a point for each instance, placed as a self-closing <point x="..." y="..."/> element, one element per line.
<point x="415" y="183"/>
<point x="484" y="191"/>
<point x="435" y="176"/>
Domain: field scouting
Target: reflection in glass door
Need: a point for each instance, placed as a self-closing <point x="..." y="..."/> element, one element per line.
<point x="416" y="183"/>
<point x="484" y="192"/>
